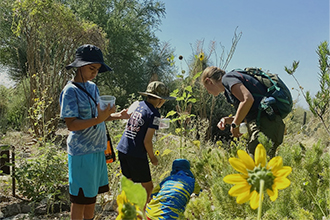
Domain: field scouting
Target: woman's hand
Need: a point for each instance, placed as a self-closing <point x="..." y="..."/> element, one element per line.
<point x="224" y="121"/>
<point x="222" y="124"/>
<point x="235" y="132"/>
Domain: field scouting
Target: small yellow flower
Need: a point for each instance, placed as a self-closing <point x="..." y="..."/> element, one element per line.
<point x="168" y="59"/>
<point x="197" y="143"/>
<point x="201" y="56"/>
<point x="157" y="152"/>
<point x="247" y="183"/>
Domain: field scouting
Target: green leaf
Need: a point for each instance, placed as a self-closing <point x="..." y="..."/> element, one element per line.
<point x="175" y="119"/>
<point x="188" y="88"/>
<point x="170" y="113"/>
<point x="175" y="92"/>
<point x="135" y="192"/>
<point x="193" y="100"/>
<point x="197" y="75"/>
<point x="178" y="130"/>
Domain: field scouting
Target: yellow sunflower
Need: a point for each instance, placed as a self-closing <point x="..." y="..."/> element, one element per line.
<point x="126" y="210"/>
<point x="201" y="56"/>
<point x="247" y="184"/>
<point x="157" y="152"/>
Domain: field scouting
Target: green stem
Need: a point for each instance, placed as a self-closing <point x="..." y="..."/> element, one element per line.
<point x="262" y="184"/>
<point x="317" y="203"/>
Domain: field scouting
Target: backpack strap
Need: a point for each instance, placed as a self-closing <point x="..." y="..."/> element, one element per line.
<point x="84" y="90"/>
<point x="90" y="96"/>
<point x="107" y="130"/>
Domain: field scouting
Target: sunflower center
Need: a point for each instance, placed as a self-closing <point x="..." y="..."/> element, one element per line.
<point x="129" y="211"/>
<point x="260" y="173"/>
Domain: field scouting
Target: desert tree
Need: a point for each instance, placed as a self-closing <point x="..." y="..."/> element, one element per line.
<point x="51" y="33"/>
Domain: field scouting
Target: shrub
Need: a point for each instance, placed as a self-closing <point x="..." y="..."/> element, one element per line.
<point x="43" y="175"/>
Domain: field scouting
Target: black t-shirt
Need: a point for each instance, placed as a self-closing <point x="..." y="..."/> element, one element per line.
<point x="252" y="84"/>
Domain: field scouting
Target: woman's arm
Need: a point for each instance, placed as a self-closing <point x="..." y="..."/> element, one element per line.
<point x="246" y="101"/>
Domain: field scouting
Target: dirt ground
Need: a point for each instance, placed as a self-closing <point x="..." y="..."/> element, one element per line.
<point x="18" y="208"/>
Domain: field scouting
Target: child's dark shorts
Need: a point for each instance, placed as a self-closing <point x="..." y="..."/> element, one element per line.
<point x="134" y="168"/>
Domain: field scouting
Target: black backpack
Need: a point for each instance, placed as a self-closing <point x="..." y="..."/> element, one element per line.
<point x="277" y="91"/>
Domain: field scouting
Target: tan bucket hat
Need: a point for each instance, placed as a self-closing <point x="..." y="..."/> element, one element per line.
<point x="159" y="90"/>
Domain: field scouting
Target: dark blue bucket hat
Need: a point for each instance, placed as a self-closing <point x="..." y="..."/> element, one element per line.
<point x="88" y="54"/>
<point x="181" y="165"/>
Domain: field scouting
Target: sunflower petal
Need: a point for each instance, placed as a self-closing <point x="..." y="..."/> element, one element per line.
<point x="234" y="179"/>
<point x="270" y="192"/>
<point x="119" y="217"/>
<point x="273" y="194"/>
<point x="283" y="172"/>
<point x="121" y="198"/>
<point x="238" y="165"/>
<point x="239" y="189"/>
<point x="243" y="197"/>
<point x="281" y="183"/>
<point x="247" y="160"/>
<point x="275" y="164"/>
<point x="254" y="200"/>
<point x="260" y="155"/>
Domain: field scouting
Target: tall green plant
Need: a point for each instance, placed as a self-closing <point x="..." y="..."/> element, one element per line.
<point x="206" y="105"/>
<point x="184" y="99"/>
<point x="51" y="33"/>
<point x="320" y="104"/>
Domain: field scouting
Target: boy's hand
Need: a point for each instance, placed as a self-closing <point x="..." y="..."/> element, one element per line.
<point x="104" y="114"/>
<point x="154" y="160"/>
<point x="124" y="115"/>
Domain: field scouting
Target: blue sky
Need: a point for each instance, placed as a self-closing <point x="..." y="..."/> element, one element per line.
<point x="274" y="34"/>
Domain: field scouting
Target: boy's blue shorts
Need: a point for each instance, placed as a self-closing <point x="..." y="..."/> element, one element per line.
<point x="88" y="176"/>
